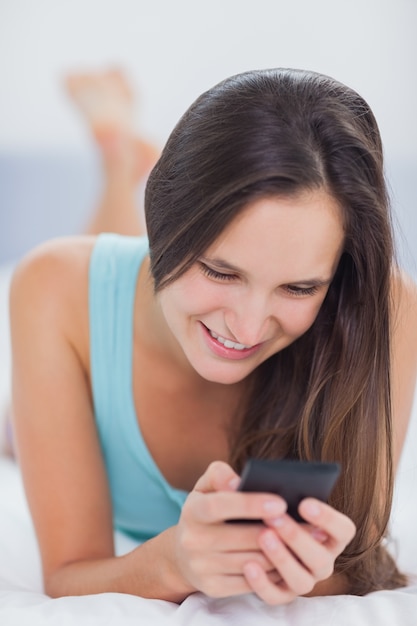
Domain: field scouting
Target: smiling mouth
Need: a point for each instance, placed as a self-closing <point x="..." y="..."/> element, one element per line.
<point x="228" y="343"/>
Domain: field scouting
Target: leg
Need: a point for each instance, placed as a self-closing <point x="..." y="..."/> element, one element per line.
<point x="106" y="102"/>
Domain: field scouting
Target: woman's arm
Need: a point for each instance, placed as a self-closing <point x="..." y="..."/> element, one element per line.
<point x="404" y="357"/>
<point x="60" y="457"/>
<point x="66" y="483"/>
<point x="57" y="443"/>
<point x="56" y="439"/>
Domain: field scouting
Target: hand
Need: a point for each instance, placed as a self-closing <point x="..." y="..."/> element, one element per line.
<point x="303" y="555"/>
<point x="212" y="556"/>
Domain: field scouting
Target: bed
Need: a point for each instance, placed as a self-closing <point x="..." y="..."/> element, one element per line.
<point x="22" y="601"/>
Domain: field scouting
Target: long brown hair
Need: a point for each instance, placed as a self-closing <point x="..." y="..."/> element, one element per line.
<point x="327" y="395"/>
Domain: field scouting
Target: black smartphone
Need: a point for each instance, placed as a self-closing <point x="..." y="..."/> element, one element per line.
<point x="292" y="480"/>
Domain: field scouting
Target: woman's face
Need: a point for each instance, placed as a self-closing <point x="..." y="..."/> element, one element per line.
<point x="258" y="287"/>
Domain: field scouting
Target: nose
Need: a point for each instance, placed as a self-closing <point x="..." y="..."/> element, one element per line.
<point x="249" y="319"/>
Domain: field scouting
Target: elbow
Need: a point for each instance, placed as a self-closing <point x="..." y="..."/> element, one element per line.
<point x="60" y="583"/>
<point x="52" y="584"/>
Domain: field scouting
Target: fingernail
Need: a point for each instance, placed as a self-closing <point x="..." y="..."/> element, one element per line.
<point x="274" y="507"/>
<point x="277" y="522"/>
<point x="251" y="571"/>
<point x="312" y="508"/>
<point x="234" y="482"/>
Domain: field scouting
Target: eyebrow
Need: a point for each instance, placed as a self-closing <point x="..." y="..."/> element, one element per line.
<point x="229" y="267"/>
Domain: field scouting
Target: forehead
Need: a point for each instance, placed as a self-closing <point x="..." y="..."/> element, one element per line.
<point x="301" y="234"/>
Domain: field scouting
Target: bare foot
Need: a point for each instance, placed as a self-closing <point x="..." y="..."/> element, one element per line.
<point x="106" y="101"/>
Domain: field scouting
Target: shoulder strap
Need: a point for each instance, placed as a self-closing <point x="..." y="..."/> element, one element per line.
<point x="114" y="267"/>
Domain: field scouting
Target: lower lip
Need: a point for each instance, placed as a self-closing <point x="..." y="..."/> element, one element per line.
<point x="227" y="353"/>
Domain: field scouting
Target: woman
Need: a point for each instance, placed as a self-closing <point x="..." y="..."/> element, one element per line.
<point x="259" y="322"/>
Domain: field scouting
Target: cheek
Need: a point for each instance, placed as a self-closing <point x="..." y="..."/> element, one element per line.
<point x="299" y="316"/>
<point x="197" y="291"/>
<point x="191" y="297"/>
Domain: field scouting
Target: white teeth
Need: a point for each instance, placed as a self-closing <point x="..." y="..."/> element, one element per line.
<point x="235" y="346"/>
<point x="227" y="342"/>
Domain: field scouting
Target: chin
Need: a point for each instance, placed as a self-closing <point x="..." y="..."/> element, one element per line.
<point x="223" y="374"/>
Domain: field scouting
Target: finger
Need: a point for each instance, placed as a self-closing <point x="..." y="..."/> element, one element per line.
<point x="225" y="586"/>
<point x="232" y="563"/>
<point x="233" y="537"/>
<point x="275" y="577"/>
<point x="219" y="476"/>
<point x="316" y="556"/>
<point x="339" y="528"/>
<point x="318" y="534"/>
<point x="218" y="537"/>
<point x="298" y="557"/>
<point x="211" y="508"/>
<point x="269" y="591"/>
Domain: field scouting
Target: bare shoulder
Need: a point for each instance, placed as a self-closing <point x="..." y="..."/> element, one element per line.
<point x="55" y="264"/>
<point x="404" y="355"/>
<point x="50" y="284"/>
<point x="404" y="295"/>
<point x="404" y="320"/>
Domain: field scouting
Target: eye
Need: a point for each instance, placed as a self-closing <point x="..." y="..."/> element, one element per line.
<point x="301" y="291"/>
<point x="211" y="273"/>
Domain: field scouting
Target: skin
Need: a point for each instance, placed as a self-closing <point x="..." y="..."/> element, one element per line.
<point x="105" y="100"/>
<point x="261" y="301"/>
<point x="275" y="246"/>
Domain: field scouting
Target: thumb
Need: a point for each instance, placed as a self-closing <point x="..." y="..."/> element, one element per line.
<point x="219" y="476"/>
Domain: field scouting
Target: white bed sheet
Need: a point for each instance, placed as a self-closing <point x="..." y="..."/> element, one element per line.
<point x="22" y="601"/>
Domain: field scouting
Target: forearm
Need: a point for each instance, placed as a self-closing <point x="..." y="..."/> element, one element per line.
<point x="148" y="571"/>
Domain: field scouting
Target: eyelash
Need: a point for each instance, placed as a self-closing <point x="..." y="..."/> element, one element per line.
<point x="293" y="290"/>
<point x="208" y="271"/>
<point x="302" y="291"/>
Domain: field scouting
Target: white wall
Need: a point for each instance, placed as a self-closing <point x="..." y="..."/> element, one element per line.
<point x="174" y="49"/>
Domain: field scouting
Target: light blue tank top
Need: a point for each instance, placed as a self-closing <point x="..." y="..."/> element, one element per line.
<point x="144" y="504"/>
